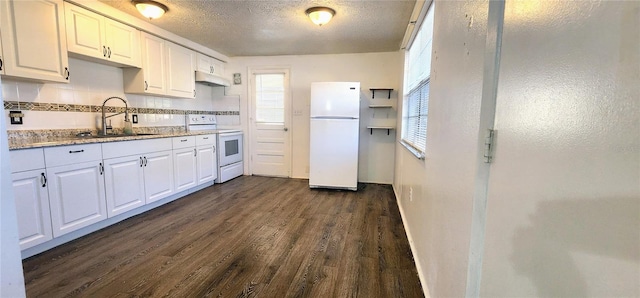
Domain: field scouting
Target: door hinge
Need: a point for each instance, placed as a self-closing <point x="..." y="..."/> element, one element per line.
<point x="488" y="145"/>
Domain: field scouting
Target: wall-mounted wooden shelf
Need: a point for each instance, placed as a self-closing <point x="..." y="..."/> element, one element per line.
<point x="373" y="92"/>
<point x="388" y="128"/>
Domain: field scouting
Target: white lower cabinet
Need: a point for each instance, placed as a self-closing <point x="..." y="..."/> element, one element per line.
<point x="185" y="168"/>
<point x="124" y="182"/>
<point x="76" y="195"/>
<point x="158" y="175"/>
<point x="207" y="163"/>
<point x="206" y="158"/>
<point x="32" y="207"/>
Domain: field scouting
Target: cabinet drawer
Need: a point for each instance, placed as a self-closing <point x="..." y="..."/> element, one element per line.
<point x="205" y="140"/>
<point x="184" y="142"/>
<point x="66" y="155"/>
<point x="26" y="159"/>
<point x="127" y="148"/>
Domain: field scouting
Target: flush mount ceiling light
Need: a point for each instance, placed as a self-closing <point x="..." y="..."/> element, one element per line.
<point x="150" y="9"/>
<point x="320" y="15"/>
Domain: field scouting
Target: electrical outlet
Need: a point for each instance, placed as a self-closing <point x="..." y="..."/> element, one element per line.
<point x="410" y="194"/>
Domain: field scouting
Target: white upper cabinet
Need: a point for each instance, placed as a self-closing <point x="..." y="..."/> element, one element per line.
<point x="167" y="69"/>
<point x="34" y="40"/>
<point x="210" y="65"/>
<point x="90" y="35"/>
<point x="181" y="80"/>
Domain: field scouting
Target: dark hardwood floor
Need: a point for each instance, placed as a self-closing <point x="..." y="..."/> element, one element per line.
<point x="249" y="237"/>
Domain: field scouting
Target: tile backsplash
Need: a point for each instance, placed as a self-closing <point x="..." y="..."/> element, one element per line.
<point x="78" y="103"/>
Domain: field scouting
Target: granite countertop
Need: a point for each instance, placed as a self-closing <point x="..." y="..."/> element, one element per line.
<point x="24" y="143"/>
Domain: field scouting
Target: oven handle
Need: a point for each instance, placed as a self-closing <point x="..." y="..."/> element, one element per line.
<point x="230" y="134"/>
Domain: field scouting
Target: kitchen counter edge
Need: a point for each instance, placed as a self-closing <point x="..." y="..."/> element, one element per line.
<point x="79" y="140"/>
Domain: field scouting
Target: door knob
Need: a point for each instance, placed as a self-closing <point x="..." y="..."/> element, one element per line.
<point x="286" y="129"/>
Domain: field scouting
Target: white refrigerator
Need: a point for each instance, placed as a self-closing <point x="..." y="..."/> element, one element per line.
<point x="334" y="135"/>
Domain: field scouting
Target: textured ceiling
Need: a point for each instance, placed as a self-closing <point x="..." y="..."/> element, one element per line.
<point x="265" y="28"/>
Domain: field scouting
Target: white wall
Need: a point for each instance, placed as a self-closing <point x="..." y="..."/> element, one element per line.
<point x="562" y="215"/>
<point x="435" y="194"/>
<point x="563" y="212"/>
<point x="91" y="83"/>
<point x="371" y="69"/>
<point x="11" y="277"/>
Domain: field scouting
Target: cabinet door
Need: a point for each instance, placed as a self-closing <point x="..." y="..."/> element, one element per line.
<point x="180" y="71"/>
<point x="123" y="43"/>
<point x="203" y="63"/>
<point x="85" y="32"/>
<point x="32" y="207"/>
<point x="153" y="64"/>
<point x="184" y="168"/>
<point x="124" y="184"/>
<point x="34" y="40"/>
<point x="207" y="165"/>
<point x="76" y="195"/>
<point x="158" y="175"/>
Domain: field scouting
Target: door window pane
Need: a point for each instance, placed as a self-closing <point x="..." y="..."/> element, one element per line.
<point x="270" y="98"/>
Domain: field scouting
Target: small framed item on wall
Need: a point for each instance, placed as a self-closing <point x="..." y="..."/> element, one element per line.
<point x="236" y="79"/>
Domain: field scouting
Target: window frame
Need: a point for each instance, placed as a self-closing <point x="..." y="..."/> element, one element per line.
<point x="417" y="81"/>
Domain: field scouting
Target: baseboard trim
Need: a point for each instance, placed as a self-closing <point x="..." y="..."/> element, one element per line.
<point x="416" y="259"/>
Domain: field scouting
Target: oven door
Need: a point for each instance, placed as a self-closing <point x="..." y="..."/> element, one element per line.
<point x="230" y="148"/>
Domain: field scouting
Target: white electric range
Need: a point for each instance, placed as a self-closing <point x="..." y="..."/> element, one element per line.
<point x="229" y="145"/>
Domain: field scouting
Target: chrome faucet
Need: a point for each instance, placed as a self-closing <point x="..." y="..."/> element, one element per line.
<point x="104" y="117"/>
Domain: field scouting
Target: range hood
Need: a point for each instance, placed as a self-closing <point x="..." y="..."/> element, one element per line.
<point x="211" y="79"/>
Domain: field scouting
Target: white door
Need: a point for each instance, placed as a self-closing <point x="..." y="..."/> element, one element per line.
<point x="158" y="175"/>
<point x="43" y="55"/>
<point x="76" y="194"/>
<point x="32" y="208"/>
<point x="124" y="184"/>
<point x="333" y="156"/>
<point x="123" y="43"/>
<point x="207" y="166"/>
<point x="180" y="71"/>
<point x="85" y="32"/>
<point x="270" y="136"/>
<point x="153" y="63"/>
<point x="184" y="168"/>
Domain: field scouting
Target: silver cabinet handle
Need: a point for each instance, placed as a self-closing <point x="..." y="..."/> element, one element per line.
<point x="109" y="55"/>
<point x="141" y="162"/>
<point x="104" y="51"/>
<point x="77" y="151"/>
<point x="67" y="72"/>
<point x="101" y="169"/>
<point x="183" y="140"/>
<point x="195" y="152"/>
<point x="146" y="86"/>
<point x="43" y="179"/>
<point x="214" y="149"/>
<point x="145" y="161"/>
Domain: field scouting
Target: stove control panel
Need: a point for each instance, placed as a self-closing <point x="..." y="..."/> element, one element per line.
<point x="197" y="119"/>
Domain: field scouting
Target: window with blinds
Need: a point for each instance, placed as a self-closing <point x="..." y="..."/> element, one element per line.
<point x="416" y="82"/>
<point x="270" y="98"/>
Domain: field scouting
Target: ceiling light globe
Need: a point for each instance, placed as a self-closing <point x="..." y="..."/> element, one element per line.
<point x="320" y="15"/>
<point x="150" y="9"/>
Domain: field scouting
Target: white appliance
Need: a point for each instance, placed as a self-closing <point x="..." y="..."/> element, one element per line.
<point x="334" y="135"/>
<point x="229" y="145"/>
